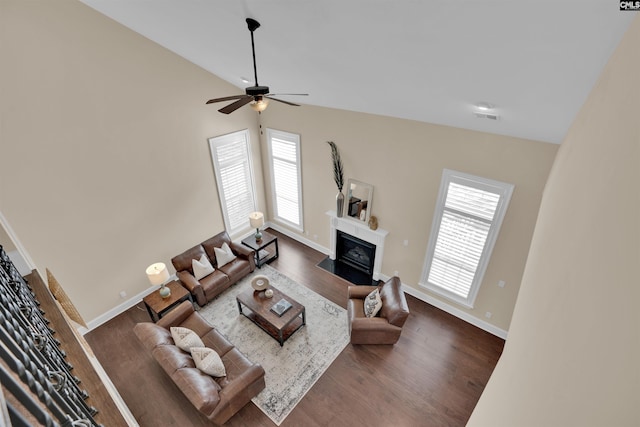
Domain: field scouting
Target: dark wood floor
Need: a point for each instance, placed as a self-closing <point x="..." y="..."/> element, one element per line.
<point x="433" y="376"/>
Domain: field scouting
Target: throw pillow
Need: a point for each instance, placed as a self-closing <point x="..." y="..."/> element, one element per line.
<point x="201" y="267"/>
<point x="224" y="255"/>
<point x="185" y="338"/>
<point x="208" y="361"/>
<point x="372" y="303"/>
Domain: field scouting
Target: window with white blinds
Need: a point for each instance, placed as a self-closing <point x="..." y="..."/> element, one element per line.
<point x="234" y="176"/>
<point x="466" y="223"/>
<point x="286" y="178"/>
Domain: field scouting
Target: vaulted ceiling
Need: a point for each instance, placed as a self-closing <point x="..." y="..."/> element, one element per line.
<point x="533" y="62"/>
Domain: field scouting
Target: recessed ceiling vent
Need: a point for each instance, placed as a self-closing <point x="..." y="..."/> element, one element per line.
<point x="484" y="110"/>
<point x="489" y="116"/>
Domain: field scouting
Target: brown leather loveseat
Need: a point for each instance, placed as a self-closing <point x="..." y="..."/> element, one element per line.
<point x="386" y="326"/>
<point x="217" y="398"/>
<point x="210" y="286"/>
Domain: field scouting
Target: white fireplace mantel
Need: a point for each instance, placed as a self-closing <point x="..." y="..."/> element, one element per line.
<point x="360" y="230"/>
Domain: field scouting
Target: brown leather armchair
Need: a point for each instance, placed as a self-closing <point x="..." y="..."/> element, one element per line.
<point x="208" y="287"/>
<point x="386" y="326"/>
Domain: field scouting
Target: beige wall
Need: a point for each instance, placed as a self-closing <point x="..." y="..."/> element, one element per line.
<point x="574" y="344"/>
<point x="404" y="162"/>
<point x="105" y="165"/>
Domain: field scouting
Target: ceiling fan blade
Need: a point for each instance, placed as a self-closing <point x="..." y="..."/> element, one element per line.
<point x="286" y="94"/>
<point x="226" y="98"/>
<point x="235" y="105"/>
<point x="284" y="102"/>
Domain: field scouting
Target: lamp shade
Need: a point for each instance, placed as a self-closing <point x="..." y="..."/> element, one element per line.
<point x="256" y="219"/>
<point x="157" y="273"/>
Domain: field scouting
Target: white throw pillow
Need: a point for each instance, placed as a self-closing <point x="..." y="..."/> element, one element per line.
<point x="201" y="267"/>
<point x="372" y="303"/>
<point x="185" y="338"/>
<point x="208" y="361"/>
<point x="224" y="255"/>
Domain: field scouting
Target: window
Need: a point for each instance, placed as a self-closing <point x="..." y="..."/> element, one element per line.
<point x="286" y="179"/>
<point x="234" y="176"/>
<point x="466" y="222"/>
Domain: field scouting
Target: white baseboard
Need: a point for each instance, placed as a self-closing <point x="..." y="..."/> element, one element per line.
<point x="121" y="308"/>
<point x="299" y="238"/>
<point x="501" y="333"/>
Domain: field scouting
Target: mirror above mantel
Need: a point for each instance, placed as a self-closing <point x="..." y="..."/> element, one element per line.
<point x="358" y="201"/>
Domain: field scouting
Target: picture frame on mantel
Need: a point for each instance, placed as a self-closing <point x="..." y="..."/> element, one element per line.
<point x="359" y="200"/>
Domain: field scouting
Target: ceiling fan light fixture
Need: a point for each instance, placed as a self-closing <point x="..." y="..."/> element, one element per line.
<point x="260" y="104"/>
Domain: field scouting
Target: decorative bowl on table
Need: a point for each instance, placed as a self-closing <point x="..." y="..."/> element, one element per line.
<point x="260" y="283"/>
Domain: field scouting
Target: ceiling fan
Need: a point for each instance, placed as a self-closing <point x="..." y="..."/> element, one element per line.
<point x="259" y="96"/>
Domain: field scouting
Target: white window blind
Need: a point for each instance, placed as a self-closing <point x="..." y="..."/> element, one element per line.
<point x="234" y="177"/>
<point x="466" y="223"/>
<point x="286" y="179"/>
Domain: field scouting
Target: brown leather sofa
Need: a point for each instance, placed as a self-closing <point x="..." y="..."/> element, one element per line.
<point x="207" y="288"/>
<point x="386" y="326"/>
<point x="217" y="398"/>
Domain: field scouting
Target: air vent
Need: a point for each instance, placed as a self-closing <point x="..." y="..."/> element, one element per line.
<point x="486" y="116"/>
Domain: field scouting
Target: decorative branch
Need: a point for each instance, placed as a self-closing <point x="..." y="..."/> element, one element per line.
<point x="338" y="174"/>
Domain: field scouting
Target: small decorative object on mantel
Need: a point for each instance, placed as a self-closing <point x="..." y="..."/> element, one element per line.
<point x="338" y="177"/>
<point x="158" y="275"/>
<point x="373" y="222"/>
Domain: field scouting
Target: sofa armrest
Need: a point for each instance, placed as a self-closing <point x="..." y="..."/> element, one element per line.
<point x="238" y="393"/>
<point x="176" y="316"/>
<point x="244" y="252"/>
<point x="360" y="291"/>
<point x="372" y="324"/>
<point x="193" y="286"/>
<point x="239" y="384"/>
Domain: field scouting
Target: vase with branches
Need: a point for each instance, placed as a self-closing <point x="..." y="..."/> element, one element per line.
<point x="338" y="177"/>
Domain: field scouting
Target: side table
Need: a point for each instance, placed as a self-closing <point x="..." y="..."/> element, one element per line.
<point x="158" y="306"/>
<point x="260" y="246"/>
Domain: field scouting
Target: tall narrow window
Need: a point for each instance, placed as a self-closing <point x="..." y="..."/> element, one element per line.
<point x="466" y="222"/>
<point x="234" y="176"/>
<point x="286" y="179"/>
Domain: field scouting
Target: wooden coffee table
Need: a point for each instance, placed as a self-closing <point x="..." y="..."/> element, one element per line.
<point x="255" y="306"/>
<point x="158" y="306"/>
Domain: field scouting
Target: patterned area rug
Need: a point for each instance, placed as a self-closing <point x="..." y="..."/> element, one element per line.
<point x="290" y="370"/>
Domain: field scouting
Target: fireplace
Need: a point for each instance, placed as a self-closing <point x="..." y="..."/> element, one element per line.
<point x="371" y="246"/>
<point x="355" y="252"/>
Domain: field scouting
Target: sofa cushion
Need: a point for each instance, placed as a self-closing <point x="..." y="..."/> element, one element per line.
<point x="208" y="361"/>
<point x="224" y="255"/>
<point x="185" y="338"/>
<point x="172" y="358"/>
<point x="200" y="388"/>
<point x="201" y="267"/>
<point x="152" y="335"/>
<point x="214" y="284"/>
<point x="183" y="261"/>
<point x="372" y="303"/>
<point x="215" y="242"/>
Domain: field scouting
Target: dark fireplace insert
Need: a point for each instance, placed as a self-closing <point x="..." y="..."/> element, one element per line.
<point x="354" y="259"/>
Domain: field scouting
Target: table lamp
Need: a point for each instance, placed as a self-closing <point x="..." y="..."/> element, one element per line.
<point x="256" y="219"/>
<point x="158" y="275"/>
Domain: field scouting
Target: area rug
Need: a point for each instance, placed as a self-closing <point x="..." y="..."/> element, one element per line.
<point x="291" y="370"/>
